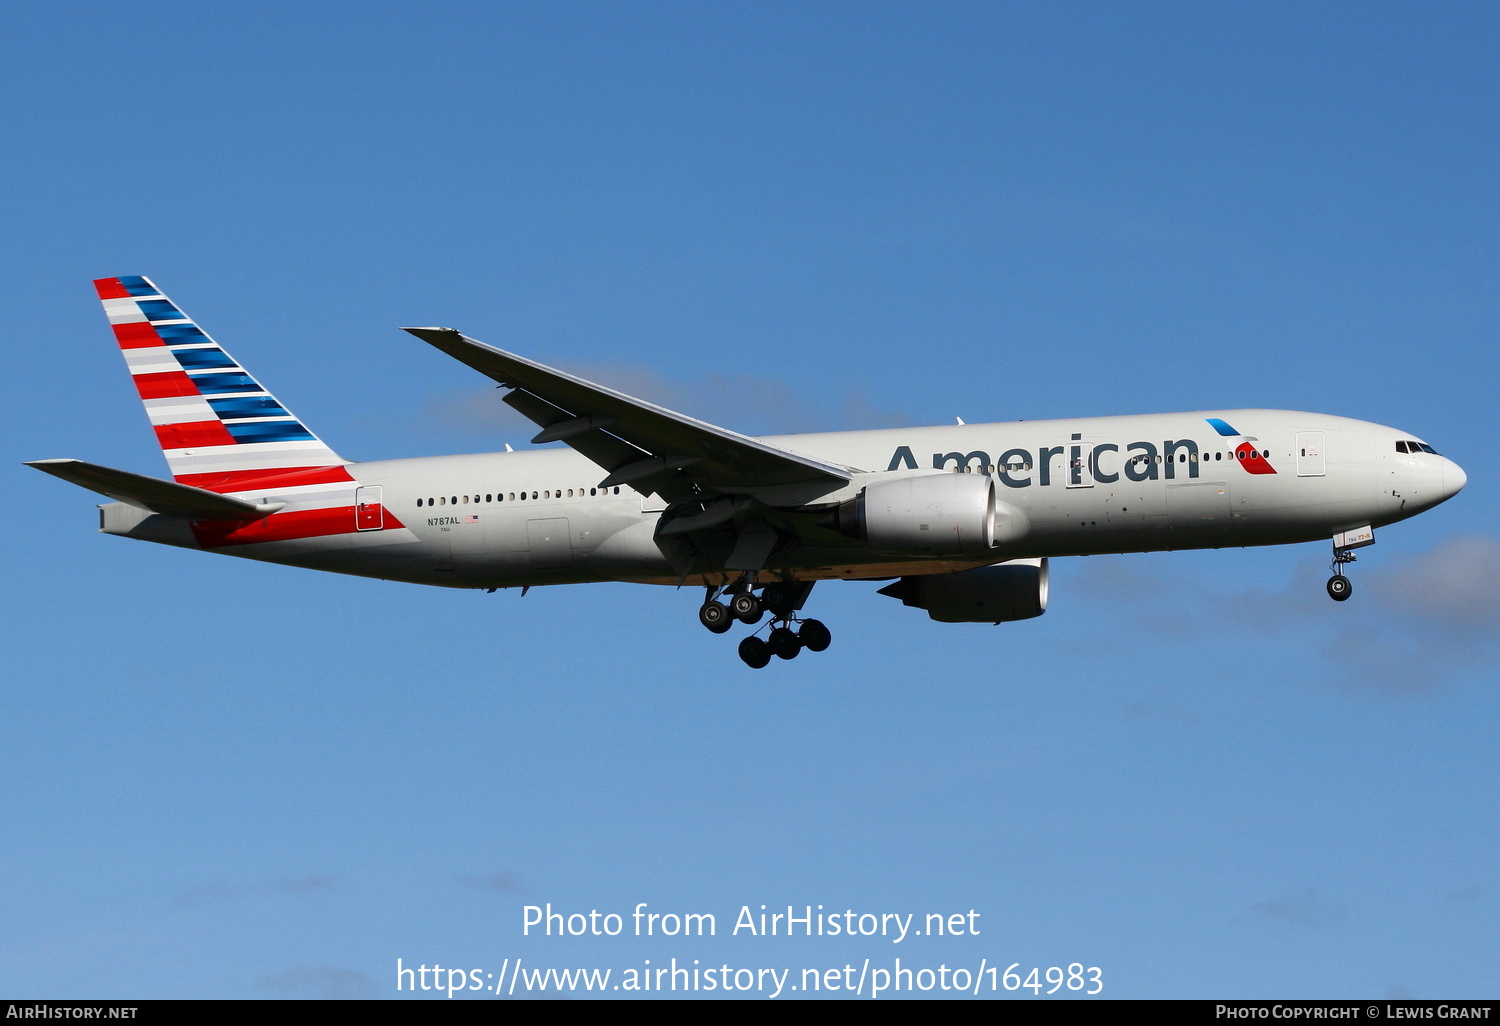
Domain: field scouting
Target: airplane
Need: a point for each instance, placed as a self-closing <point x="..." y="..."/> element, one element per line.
<point x="960" y="520"/>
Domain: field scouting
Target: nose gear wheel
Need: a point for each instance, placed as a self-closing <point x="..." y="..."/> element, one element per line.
<point x="1339" y="586"/>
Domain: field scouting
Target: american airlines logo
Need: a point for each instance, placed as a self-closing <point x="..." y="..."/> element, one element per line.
<point x="1141" y="461"/>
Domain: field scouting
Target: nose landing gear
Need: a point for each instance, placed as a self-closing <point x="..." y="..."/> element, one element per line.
<point x="1344" y="544"/>
<point x="1339" y="586"/>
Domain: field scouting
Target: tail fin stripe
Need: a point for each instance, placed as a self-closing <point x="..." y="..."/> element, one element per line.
<point x="151" y="361"/>
<point x="135" y="285"/>
<point x="136" y="336"/>
<point x="166" y="385"/>
<point x="124" y="287"/>
<point x="180" y="334"/>
<point x="218" y="384"/>
<point x="268" y="431"/>
<point x="111" y="288"/>
<point x="248" y="406"/>
<point x="193" y="436"/>
<point x="183" y="409"/>
<point x="160" y="310"/>
<point x="204" y="359"/>
<point x="123" y="311"/>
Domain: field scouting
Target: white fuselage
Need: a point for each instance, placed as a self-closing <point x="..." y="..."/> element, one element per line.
<point x="1081" y="486"/>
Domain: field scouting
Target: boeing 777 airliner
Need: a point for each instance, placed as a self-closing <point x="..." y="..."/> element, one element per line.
<point x="961" y="519"/>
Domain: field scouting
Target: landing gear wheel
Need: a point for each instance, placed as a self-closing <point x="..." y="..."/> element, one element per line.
<point x="814" y="636"/>
<point x="755" y="653"/>
<point x="784" y="643"/>
<point x="715" y="616"/>
<point x="1339" y="587"/>
<point x="777" y="598"/>
<point x="746" y="607"/>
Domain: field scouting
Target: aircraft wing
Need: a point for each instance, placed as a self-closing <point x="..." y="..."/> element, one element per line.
<point x="638" y="443"/>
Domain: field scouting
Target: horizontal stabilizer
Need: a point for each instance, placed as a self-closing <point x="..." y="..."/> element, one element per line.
<point x="154" y="494"/>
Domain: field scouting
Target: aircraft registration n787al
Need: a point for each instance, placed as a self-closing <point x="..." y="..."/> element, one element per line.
<point x="961" y="519"/>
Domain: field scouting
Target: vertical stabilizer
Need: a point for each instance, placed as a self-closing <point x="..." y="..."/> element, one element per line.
<point x="218" y="428"/>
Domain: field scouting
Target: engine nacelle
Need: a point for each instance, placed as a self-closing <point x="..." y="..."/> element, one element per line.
<point x="932" y="515"/>
<point x="1016" y="590"/>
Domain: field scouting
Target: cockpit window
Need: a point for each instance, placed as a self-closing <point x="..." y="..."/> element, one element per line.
<point x="1410" y="445"/>
<point x="1427" y="448"/>
<point x="1401" y="447"/>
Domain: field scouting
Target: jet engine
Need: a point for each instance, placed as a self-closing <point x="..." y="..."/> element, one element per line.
<point x="1016" y="590"/>
<point x="931" y="515"/>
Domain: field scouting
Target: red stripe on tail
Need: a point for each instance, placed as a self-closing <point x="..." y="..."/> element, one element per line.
<point x="136" y="335"/>
<point x="265" y="480"/>
<point x="194" y="435"/>
<point x="164" y="385"/>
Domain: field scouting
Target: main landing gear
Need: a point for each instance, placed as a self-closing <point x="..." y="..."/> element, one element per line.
<point x="788" y="636"/>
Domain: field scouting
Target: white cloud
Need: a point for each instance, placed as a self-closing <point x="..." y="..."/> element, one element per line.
<point x="1411" y="627"/>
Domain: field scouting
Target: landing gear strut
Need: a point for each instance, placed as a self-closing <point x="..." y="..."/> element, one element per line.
<point x="1339" y="586"/>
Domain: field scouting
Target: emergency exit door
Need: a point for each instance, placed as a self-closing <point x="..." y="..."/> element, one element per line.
<point x="369" y="514"/>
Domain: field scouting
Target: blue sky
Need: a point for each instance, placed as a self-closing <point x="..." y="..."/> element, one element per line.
<point x="1195" y="772"/>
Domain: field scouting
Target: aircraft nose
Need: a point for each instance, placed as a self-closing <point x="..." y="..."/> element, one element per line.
<point x="1454" y="479"/>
